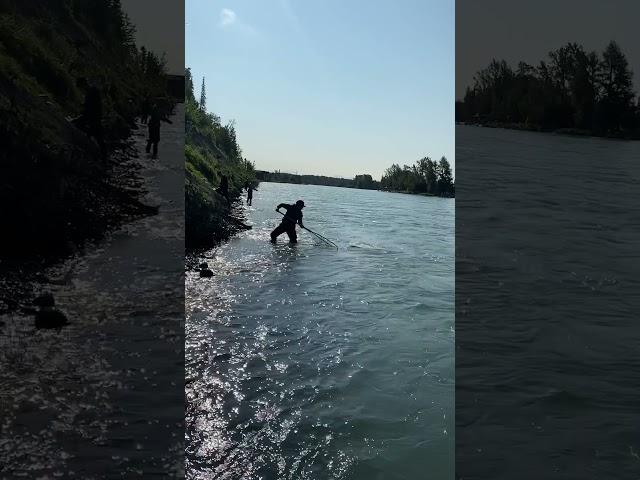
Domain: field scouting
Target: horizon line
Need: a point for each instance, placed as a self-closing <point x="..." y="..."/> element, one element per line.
<point x="313" y="174"/>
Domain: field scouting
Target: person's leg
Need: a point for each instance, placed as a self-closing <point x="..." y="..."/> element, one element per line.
<point x="150" y="138"/>
<point x="154" y="136"/>
<point x="293" y="238"/>
<point x="279" y="230"/>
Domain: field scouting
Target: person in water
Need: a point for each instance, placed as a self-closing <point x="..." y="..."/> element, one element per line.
<point x="288" y="225"/>
<point x="154" y="129"/>
<point x="249" y="195"/>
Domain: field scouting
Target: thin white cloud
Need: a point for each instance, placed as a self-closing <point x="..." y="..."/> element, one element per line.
<point x="229" y="21"/>
<point x="227" y="17"/>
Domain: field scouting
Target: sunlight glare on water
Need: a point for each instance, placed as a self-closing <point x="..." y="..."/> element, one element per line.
<point x="303" y="362"/>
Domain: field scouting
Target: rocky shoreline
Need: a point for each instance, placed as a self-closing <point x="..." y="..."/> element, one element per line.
<point x="96" y="205"/>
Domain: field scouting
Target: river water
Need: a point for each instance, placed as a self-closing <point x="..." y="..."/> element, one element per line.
<point x="547" y="364"/>
<point x="307" y="362"/>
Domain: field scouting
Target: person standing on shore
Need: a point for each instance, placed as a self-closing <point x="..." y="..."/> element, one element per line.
<point x="288" y="225"/>
<point x="154" y="129"/>
<point x="249" y="195"/>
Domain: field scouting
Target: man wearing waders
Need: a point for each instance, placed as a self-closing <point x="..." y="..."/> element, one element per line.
<point x="288" y="225"/>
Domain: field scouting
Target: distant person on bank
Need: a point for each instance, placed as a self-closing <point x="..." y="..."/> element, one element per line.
<point x="289" y="220"/>
<point x="155" y="118"/>
<point x="249" y="195"/>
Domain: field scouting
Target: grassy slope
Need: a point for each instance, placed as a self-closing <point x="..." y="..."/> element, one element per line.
<point x="51" y="174"/>
<point x="208" y="218"/>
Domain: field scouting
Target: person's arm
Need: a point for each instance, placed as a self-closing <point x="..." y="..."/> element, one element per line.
<point x="300" y="221"/>
<point x="282" y="205"/>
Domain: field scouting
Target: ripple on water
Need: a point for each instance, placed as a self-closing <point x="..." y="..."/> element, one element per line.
<point x="306" y="362"/>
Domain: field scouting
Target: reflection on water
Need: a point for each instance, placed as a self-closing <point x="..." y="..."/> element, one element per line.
<point x="307" y="362"/>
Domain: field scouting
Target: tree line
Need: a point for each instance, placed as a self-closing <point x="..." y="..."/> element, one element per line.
<point x="426" y="176"/>
<point x="359" y="181"/>
<point x="573" y="89"/>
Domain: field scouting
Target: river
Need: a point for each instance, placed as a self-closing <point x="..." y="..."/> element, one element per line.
<point x="547" y="364"/>
<point x="307" y="362"/>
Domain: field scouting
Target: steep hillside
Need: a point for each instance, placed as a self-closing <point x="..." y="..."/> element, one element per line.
<point x="211" y="151"/>
<point x="56" y="185"/>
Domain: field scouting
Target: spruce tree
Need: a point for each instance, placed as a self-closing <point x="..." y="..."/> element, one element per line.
<point x="203" y="97"/>
<point x="616" y="106"/>
<point x="445" y="177"/>
<point x="189" y="85"/>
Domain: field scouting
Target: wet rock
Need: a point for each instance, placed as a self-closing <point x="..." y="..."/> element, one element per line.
<point x="50" y="318"/>
<point x="203" y="265"/>
<point x="206" y="273"/>
<point x="44" y="300"/>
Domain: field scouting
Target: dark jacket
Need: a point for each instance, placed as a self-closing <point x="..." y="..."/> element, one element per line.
<point x="155" y="117"/>
<point x="293" y="215"/>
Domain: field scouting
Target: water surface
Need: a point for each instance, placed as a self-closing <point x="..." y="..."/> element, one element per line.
<point x="310" y="362"/>
<point x="547" y="336"/>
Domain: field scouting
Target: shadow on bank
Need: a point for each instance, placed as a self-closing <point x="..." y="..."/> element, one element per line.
<point x="65" y="120"/>
<point x="67" y="168"/>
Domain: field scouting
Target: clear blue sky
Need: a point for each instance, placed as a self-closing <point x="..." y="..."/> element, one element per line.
<point x="328" y="87"/>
